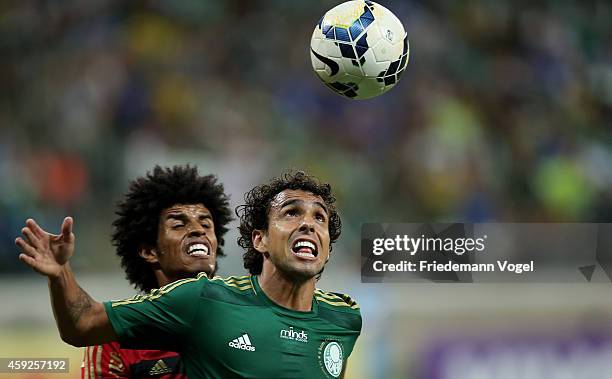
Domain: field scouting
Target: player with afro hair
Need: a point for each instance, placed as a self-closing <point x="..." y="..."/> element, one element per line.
<point x="139" y="215"/>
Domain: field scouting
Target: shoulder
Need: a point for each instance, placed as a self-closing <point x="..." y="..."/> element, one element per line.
<point x="339" y="309"/>
<point x="187" y="285"/>
<point x="336" y="300"/>
<point x="234" y="283"/>
<point x="176" y="290"/>
<point x="233" y="289"/>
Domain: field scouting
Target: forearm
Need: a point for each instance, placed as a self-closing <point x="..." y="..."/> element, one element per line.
<point x="80" y="319"/>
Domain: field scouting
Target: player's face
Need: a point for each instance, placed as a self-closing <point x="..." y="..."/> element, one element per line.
<point x="186" y="241"/>
<point x="297" y="239"/>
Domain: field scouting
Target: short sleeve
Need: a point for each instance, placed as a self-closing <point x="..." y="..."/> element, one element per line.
<point x="159" y="320"/>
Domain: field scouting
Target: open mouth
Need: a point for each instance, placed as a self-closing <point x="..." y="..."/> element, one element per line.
<point x="198" y="250"/>
<point x="305" y="249"/>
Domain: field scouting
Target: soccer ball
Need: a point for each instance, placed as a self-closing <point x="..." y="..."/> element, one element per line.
<point x="359" y="49"/>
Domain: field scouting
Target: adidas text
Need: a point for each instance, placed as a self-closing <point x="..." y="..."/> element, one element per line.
<point x="241" y="346"/>
<point x="243" y="343"/>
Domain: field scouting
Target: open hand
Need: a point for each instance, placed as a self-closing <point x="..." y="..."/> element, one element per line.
<point x="46" y="253"/>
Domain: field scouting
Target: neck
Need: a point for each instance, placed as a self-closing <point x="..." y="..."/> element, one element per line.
<point x="162" y="279"/>
<point x="291" y="294"/>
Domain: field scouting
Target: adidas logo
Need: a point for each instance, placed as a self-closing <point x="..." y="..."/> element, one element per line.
<point x="160" y="368"/>
<point x="243" y="343"/>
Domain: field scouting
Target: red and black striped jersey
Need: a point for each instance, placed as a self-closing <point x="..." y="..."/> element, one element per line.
<point x="111" y="361"/>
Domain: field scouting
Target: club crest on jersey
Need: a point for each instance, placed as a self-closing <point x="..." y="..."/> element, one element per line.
<point x="331" y="358"/>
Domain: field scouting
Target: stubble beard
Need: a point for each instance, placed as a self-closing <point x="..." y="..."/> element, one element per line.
<point x="295" y="274"/>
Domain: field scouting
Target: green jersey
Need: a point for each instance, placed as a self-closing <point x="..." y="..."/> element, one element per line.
<point x="229" y="328"/>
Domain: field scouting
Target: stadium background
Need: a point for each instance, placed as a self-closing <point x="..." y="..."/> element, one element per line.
<point x="504" y="114"/>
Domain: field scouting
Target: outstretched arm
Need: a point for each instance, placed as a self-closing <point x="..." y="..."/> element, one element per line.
<point x="80" y="319"/>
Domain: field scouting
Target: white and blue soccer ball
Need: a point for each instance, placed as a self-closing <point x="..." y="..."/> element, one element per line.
<point x="359" y="49"/>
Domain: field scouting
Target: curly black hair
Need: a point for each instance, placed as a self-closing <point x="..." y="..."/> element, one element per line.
<point x="254" y="213"/>
<point x="147" y="197"/>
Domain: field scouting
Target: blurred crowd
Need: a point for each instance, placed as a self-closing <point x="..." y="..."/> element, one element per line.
<point x="504" y="112"/>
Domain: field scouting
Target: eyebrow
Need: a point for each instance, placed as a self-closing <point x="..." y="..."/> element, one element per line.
<point x="182" y="216"/>
<point x="299" y="201"/>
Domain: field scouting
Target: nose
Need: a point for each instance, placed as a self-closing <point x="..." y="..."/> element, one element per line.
<point x="307" y="225"/>
<point x="196" y="229"/>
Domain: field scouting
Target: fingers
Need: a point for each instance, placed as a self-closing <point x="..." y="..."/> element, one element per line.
<point x="37" y="230"/>
<point x="67" y="228"/>
<point x="30" y="237"/>
<point x="28" y="253"/>
<point x="27" y="260"/>
<point x="26" y="248"/>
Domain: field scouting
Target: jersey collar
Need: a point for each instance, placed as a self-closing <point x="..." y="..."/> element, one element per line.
<point x="261" y="295"/>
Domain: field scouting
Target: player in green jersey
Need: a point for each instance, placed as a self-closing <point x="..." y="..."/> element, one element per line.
<point x="170" y="226"/>
<point x="288" y="227"/>
<point x="273" y="324"/>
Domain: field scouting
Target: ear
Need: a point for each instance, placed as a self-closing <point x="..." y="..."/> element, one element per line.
<point x="260" y="240"/>
<point x="149" y="254"/>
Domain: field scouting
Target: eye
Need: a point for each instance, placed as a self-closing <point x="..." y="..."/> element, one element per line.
<point x="206" y="225"/>
<point x="177" y="226"/>
<point x="290" y="212"/>
<point x="320" y="217"/>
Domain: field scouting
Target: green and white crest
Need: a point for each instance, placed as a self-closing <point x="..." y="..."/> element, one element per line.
<point x="333" y="358"/>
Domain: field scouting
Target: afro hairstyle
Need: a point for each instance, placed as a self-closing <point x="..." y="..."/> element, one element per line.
<point x="140" y="209"/>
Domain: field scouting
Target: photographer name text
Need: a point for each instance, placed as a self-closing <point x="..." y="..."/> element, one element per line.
<point x="429" y="247"/>
<point x="434" y="266"/>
